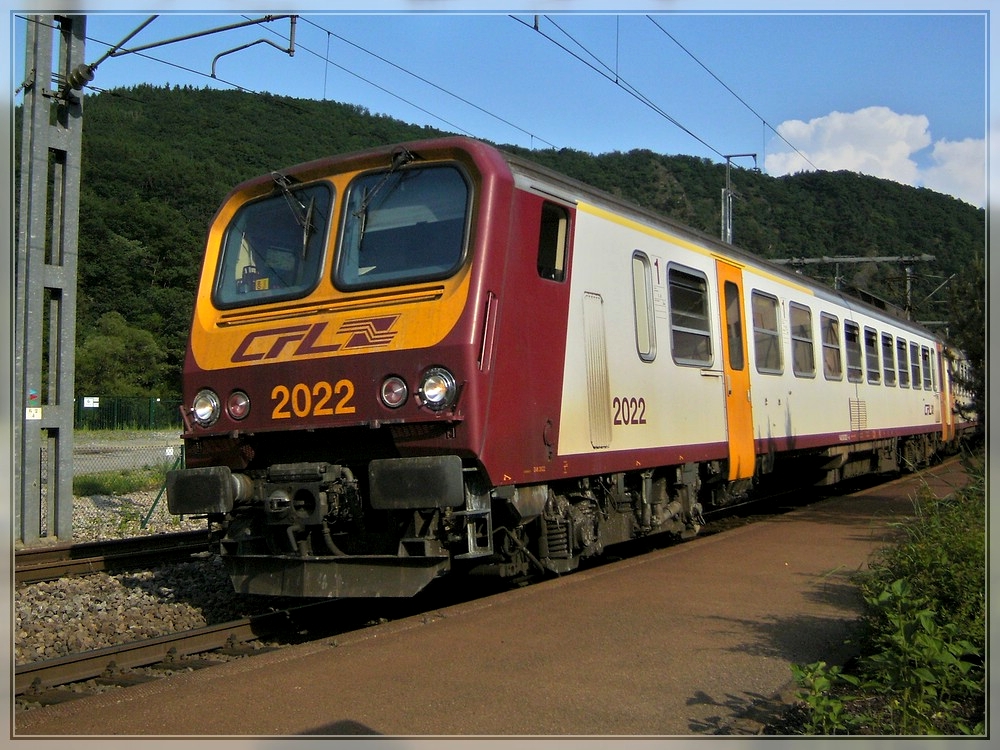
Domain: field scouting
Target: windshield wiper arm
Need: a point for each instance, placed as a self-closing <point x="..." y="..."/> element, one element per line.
<point x="400" y="158"/>
<point x="303" y="214"/>
<point x="307" y="226"/>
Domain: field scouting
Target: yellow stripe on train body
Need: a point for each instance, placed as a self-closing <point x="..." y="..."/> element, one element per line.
<point x="701" y="249"/>
<point x="327" y="322"/>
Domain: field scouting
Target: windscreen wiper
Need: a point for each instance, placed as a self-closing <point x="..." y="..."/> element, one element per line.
<point x="307" y="226"/>
<point x="303" y="214"/>
<point x="400" y="158"/>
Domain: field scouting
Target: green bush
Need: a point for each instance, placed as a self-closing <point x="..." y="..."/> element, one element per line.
<point x="927" y="674"/>
<point x="924" y="631"/>
<point x="822" y="692"/>
<point x="943" y="557"/>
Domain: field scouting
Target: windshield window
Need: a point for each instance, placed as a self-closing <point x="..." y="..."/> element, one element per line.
<point x="273" y="248"/>
<point x="402" y="227"/>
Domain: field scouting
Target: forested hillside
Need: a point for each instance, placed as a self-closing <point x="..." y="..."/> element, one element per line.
<point x="158" y="161"/>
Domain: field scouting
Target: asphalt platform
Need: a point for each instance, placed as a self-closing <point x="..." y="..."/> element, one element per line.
<point x="689" y="640"/>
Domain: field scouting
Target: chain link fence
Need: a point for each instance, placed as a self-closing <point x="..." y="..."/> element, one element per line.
<point x="122" y="450"/>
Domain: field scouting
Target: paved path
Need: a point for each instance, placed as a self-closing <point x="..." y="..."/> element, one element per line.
<point x="693" y="639"/>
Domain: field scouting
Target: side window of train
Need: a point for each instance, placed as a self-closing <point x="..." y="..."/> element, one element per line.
<point x="852" y="339"/>
<point x="766" y="333"/>
<point x="925" y="362"/>
<point x="888" y="360"/>
<point x="690" y="332"/>
<point x="914" y="365"/>
<point x="803" y="353"/>
<point x="833" y="368"/>
<point x="642" y="296"/>
<point x="871" y="356"/>
<point x="553" y="239"/>
<point x="902" y="363"/>
<point x="734" y="325"/>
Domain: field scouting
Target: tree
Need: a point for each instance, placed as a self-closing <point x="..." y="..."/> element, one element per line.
<point x="118" y="360"/>
<point x="968" y="326"/>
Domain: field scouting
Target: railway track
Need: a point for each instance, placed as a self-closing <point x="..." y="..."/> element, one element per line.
<point x="114" y="665"/>
<point x="48" y="563"/>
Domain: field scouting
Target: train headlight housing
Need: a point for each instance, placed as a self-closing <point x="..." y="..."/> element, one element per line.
<point x="438" y="389"/>
<point x="238" y="405"/>
<point x="394" y="392"/>
<point x="205" y="408"/>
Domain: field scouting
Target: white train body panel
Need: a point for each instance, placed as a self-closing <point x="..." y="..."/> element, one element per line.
<point x="788" y="406"/>
<point x="644" y="404"/>
<point x="616" y="399"/>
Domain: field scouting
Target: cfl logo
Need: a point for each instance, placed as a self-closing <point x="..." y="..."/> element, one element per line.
<point x="273" y="343"/>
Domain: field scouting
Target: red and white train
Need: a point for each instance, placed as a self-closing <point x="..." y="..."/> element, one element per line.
<point x="438" y="357"/>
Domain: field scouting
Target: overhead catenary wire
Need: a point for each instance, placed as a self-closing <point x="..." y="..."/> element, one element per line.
<point x="616" y="79"/>
<point x="116" y="50"/>
<point x="740" y="99"/>
<point x="427" y="82"/>
<point x="584" y="56"/>
<point x="614" y="76"/>
<point x="328" y="62"/>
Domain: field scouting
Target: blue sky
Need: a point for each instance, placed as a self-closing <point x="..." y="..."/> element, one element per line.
<point x="899" y="93"/>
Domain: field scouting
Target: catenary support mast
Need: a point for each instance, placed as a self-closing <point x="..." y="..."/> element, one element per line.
<point x="45" y="277"/>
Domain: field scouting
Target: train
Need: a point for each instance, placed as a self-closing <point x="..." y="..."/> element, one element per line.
<point x="438" y="358"/>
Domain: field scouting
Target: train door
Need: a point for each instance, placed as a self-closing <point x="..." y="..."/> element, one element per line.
<point x="739" y="412"/>
<point x="946" y="396"/>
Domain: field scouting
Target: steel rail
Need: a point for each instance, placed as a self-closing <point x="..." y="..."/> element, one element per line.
<point x="89" y="664"/>
<point x="50" y="562"/>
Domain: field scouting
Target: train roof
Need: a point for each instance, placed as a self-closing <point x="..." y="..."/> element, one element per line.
<point x="543" y="179"/>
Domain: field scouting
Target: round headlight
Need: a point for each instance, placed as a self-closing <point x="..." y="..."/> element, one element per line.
<point x="438" y="389"/>
<point x="205" y="408"/>
<point x="394" y="392"/>
<point x="238" y="405"/>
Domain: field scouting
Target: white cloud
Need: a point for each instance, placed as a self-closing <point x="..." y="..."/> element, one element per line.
<point x="959" y="169"/>
<point x="879" y="142"/>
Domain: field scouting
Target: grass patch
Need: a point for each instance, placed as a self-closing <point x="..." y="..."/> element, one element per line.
<point x="120" y="482"/>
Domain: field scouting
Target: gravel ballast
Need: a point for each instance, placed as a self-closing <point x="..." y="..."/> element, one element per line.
<point x="71" y="615"/>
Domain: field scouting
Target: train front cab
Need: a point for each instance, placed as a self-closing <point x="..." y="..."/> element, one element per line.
<point x="335" y="379"/>
<point x="345" y="427"/>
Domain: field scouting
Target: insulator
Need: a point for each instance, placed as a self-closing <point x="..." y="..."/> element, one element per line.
<point x="80" y="76"/>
